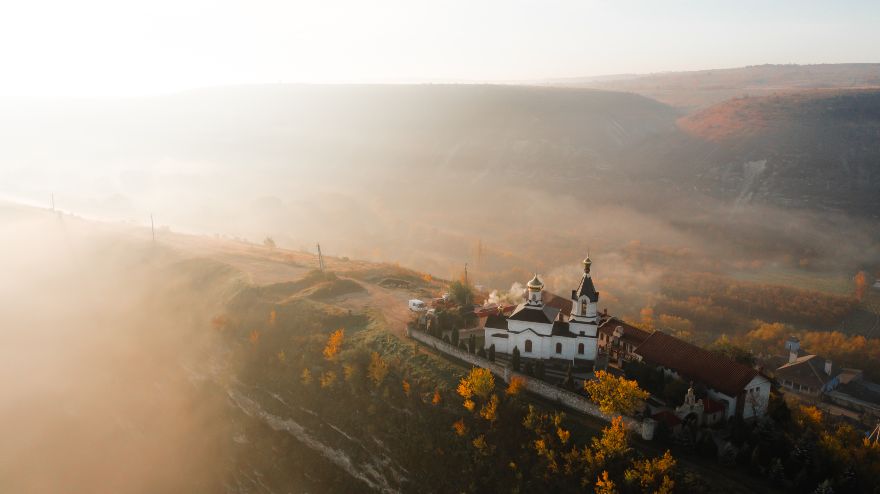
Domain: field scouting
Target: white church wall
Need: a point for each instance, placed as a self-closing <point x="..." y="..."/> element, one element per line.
<point x="590" y="348"/>
<point x="538" y="328"/>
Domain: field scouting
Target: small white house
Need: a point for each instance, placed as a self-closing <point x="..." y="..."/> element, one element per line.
<point x="416" y="305"/>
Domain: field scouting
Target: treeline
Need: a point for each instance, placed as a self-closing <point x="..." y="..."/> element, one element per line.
<point x="853" y="351"/>
<point x="801" y="450"/>
<point x="714" y="301"/>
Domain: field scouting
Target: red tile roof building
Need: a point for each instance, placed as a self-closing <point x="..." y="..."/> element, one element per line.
<point x="741" y="389"/>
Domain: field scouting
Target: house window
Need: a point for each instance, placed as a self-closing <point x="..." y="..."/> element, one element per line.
<point x="580" y="348"/>
<point x="528" y="346"/>
<point x="559" y="348"/>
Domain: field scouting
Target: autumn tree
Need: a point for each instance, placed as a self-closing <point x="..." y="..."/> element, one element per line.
<point x="516" y="385"/>
<point x="479" y="383"/>
<point x="724" y="347"/>
<point x="605" y="485"/>
<point x="460" y="293"/>
<point x="612" y="444"/>
<point x="378" y="369"/>
<point x="861" y="282"/>
<point x="334" y="344"/>
<point x="653" y="475"/>
<point x="614" y="394"/>
<point x="306" y="376"/>
<point x="768" y="336"/>
<point x="328" y="379"/>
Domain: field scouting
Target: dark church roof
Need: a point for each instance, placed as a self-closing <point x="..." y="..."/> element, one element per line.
<point x="496" y="321"/>
<point x="693" y="363"/>
<point x="586" y="288"/>
<point x="808" y="370"/>
<point x="545" y="314"/>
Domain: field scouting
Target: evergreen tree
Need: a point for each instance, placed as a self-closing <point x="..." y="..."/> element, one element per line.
<point x="455" y="336"/>
<point x="568" y="383"/>
<point x="481" y="352"/>
<point x="472" y="344"/>
<point x="445" y="339"/>
<point x="514" y="359"/>
<point x="528" y="369"/>
<point x="491" y="354"/>
<point x="539" y="370"/>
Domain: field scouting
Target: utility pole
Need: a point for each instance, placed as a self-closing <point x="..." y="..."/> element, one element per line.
<point x="152" y="228"/>
<point x="320" y="258"/>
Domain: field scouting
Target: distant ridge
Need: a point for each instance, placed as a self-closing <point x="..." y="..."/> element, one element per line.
<point x="696" y="89"/>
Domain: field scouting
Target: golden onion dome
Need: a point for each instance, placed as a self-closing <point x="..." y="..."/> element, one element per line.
<point x="587" y="264"/>
<point x="536" y="283"/>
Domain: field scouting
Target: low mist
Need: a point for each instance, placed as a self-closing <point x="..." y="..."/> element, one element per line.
<point x="98" y="330"/>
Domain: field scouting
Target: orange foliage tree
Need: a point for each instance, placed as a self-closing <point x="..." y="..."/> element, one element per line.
<point x="861" y="281"/>
<point x="614" y="394"/>
<point x="517" y="383"/>
<point x="334" y="344"/>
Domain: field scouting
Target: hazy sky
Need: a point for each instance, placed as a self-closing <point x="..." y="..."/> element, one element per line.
<point x="117" y="47"/>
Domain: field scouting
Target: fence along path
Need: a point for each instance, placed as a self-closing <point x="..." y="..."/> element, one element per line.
<point x="572" y="401"/>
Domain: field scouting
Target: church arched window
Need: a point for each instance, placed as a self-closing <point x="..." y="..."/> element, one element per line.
<point x="529" y="346"/>
<point x="559" y="348"/>
<point x="580" y="348"/>
<point x="583" y="307"/>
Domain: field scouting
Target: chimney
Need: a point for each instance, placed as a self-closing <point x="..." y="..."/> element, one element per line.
<point x="828" y="367"/>
<point x="793" y="345"/>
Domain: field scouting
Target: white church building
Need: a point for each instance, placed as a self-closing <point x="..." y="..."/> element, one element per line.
<point x="541" y="331"/>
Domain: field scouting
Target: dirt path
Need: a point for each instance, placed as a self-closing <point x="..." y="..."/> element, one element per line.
<point x="394" y="306"/>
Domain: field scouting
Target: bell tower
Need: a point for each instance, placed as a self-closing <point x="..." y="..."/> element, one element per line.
<point x="585" y="299"/>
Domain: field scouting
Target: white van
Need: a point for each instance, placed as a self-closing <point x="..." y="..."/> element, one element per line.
<point x="416" y="305"/>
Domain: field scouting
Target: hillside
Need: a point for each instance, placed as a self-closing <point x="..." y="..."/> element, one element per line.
<point x="698" y="89"/>
<point x="510" y="179"/>
<point x="814" y="150"/>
